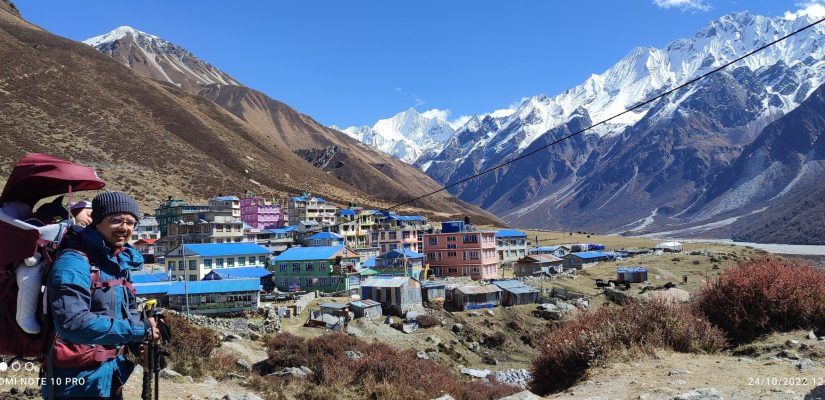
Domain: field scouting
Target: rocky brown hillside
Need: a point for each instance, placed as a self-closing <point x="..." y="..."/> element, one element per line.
<point x="150" y="138"/>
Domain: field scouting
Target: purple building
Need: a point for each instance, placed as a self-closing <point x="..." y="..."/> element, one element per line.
<point x="261" y="214"/>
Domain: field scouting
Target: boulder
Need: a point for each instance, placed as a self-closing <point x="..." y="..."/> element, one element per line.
<point x="354" y="355"/>
<point x="805" y="364"/>
<point x="458" y="328"/>
<point x="476" y="373"/>
<point x="490" y="312"/>
<point x="812" y="335"/>
<point x="699" y="394"/>
<point x="422" y="355"/>
<point x="169" y="373"/>
<point x="245" y="396"/>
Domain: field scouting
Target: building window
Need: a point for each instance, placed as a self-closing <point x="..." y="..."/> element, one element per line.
<point x="171" y="265"/>
<point x="230" y="262"/>
<point x="193" y="277"/>
<point x="451" y="245"/>
<point x="241" y="261"/>
<point x="193" y="265"/>
<point x="451" y="238"/>
<point x="470" y="238"/>
<point x="219" y="263"/>
<point x="451" y="254"/>
<point x="322" y="265"/>
<point x="296" y="267"/>
<point x="207" y="263"/>
<point x="180" y="265"/>
<point x="434" y="240"/>
<point x="252" y="260"/>
<point x="309" y="267"/>
<point x="282" y="267"/>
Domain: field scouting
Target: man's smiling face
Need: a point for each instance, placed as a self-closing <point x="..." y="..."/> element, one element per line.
<point x="117" y="229"/>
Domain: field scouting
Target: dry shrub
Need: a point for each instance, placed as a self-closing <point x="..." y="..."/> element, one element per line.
<point x="495" y="340"/>
<point x="380" y="372"/>
<point x="190" y="347"/>
<point x="427" y="321"/>
<point x="763" y="295"/>
<point x="569" y="348"/>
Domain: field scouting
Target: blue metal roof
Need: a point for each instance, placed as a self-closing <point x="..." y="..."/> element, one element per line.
<point x="346" y="212"/>
<point x="398" y="253"/>
<point x="368" y="263"/>
<point x="224" y="249"/>
<point x="152" y="288"/>
<point x="241" y="272"/>
<point x="308" y="253"/>
<point x="521" y="290"/>
<point x="285" y="229"/>
<point x="590" y="254"/>
<point x="325" y="235"/>
<point x="510" y="233"/>
<point x="407" y="217"/>
<point x="221" y="286"/>
<point x="143" y="277"/>
<point x="305" y="198"/>
<point x="227" y="198"/>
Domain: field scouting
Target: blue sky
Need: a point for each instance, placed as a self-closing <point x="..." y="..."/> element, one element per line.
<point x="354" y="62"/>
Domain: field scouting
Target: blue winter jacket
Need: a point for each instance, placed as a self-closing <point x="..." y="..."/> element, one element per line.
<point x="109" y="317"/>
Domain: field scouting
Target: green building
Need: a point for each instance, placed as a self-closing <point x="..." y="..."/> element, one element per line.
<point x="322" y="268"/>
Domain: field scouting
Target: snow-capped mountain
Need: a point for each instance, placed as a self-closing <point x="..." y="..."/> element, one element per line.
<point x="158" y="59"/>
<point x="407" y="135"/>
<point x="639" y="171"/>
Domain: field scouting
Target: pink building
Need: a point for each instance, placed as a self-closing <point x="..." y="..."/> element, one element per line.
<point x="261" y="214"/>
<point x="460" y="251"/>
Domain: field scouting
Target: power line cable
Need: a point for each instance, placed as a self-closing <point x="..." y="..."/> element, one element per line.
<point x="637" y="106"/>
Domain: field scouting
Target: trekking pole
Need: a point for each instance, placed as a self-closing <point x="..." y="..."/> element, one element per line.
<point x="148" y="368"/>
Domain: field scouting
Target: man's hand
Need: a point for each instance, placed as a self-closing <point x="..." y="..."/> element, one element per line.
<point x="153" y="333"/>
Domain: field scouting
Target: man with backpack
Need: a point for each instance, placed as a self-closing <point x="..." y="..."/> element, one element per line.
<point x="93" y="305"/>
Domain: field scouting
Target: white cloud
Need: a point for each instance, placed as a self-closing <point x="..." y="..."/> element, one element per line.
<point x="812" y="9"/>
<point x="418" y="102"/>
<point x="684" y="5"/>
<point x="436" y="113"/>
<point x="459" y="122"/>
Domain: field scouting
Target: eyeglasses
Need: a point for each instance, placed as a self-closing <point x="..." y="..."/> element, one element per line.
<point x="117" y="221"/>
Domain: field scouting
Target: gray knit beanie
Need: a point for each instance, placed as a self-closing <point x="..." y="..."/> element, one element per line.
<point x="113" y="203"/>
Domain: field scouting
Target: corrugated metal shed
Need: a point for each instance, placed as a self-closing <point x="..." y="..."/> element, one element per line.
<point x="511" y="283"/>
<point x="336" y="306"/>
<point x="222" y="286"/>
<point x="385" y="281"/>
<point x="365" y="303"/>
<point x="478" y="289"/>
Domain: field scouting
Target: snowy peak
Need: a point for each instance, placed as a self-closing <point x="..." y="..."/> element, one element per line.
<point x="156" y="58"/>
<point x="406" y="135"/>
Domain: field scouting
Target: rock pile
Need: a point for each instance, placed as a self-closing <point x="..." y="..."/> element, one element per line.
<point x="514" y="377"/>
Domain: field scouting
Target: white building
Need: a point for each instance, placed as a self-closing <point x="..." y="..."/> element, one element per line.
<point x="199" y="259"/>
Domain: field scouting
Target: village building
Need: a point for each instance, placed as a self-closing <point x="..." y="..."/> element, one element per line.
<point x="460" y="250"/>
<point x="515" y="292"/>
<point x="325" y="239"/>
<point x="275" y="240"/>
<point x="397" y="294"/>
<point x="366" y="308"/>
<point x="174" y="210"/>
<point x="323" y="268"/>
<point x="193" y="261"/>
<point x="147" y="248"/>
<point x="354" y="224"/>
<point x="394" y="231"/>
<point x="147" y="228"/>
<point x="580" y="259"/>
<point x="400" y="263"/>
<point x="511" y="245"/>
<point x="431" y="291"/>
<point x="158" y="291"/>
<point x="259" y="272"/>
<point x="558" y="251"/>
<point x="261" y="214"/>
<point x="220" y="223"/>
<point x="537" y="264"/>
<point x="474" y="297"/>
<point x="215" y="297"/>
<point x="310" y="208"/>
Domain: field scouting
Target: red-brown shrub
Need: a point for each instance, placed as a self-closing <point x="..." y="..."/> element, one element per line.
<point x="763" y="295"/>
<point x="379" y="371"/>
<point x="427" y="321"/>
<point x="568" y="348"/>
<point x="190" y="346"/>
